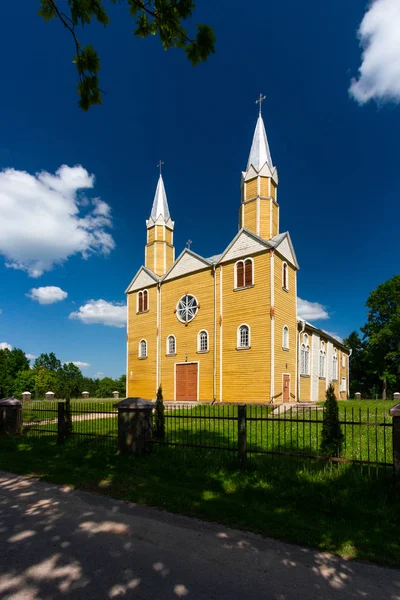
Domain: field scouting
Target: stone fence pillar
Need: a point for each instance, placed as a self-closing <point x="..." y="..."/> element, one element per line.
<point x="49" y="395"/>
<point x="10" y="416"/>
<point x="396" y="396"/>
<point x="115" y="394"/>
<point x="26" y="396"/>
<point x="358" y="395"/>
<point x="135" y="425"/>
<point x="395" y="413"/>
<point x="85" y="395"/>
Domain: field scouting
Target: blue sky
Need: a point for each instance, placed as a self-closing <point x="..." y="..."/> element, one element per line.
<point x="337" y="155"/>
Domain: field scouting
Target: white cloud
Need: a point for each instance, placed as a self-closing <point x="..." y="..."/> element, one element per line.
<point x="99" y="375"/>
<point x="47" y="295"/>
<point x="379" y="73"/>
<point x="43" y="220"/>
<point x="30" y="356"/>
<point x="311" y="311"/>
<point x="80" y="364"/>
<point x="101" y="312"/>
<point x="5" y="346"/>
<point x="334" y="335"/>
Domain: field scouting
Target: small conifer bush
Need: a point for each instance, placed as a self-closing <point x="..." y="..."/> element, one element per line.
<point x="159" y="416"/>
<point x="332" y="436"/>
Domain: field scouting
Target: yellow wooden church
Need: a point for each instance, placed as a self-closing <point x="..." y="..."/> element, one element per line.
<point x="225" y="328"/>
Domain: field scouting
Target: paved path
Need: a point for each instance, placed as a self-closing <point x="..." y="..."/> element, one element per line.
<point x="56" y="543"/>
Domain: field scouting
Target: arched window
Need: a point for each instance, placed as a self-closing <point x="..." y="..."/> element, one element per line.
<point x="243" y="336"/>
<point x="285" y="338"/>
<point x="305" y="356"/>
<point x="335" y="365"/>
<point x="285" y="276"/>
<point x="142" y="349"/>
<point x="142" y="301"/>
<point x="322" y="360"/>
<point x="171" y="345"/>
<point x="202" y="341"/>
<point x="244" y="273"/>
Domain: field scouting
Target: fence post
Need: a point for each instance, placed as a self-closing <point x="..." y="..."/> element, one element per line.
<point x="395" y="413"/>
<point x="242" y="435"/>
<point x="61" y="423"/>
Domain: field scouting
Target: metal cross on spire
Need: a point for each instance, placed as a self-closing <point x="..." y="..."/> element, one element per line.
<point x="260" y="101"/>
<point x="189" y="243"/>
<point x="160" y="164"/>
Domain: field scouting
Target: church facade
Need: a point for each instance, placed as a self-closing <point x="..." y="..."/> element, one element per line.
<point x="225" y="328"/>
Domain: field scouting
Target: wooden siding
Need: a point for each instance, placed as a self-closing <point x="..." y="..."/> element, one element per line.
<point x="273" y="190"/>
<point x="322" y="389"/>
<point x="251" y="189"/>
<point x="170" y="256"/>
<point x="285" y="314"/>
<point x="265" y="218"/>
<point x="250" y="306"/>
<point x="141" y="374"/>
<point x="201" y="285"/>
<point x="151" y="236"/>
<point x="150" y="257"/>
<point x="168" y="235"/>
<point x="160" y="232"/>
<point x="245" y="245"/>
<point x="264" y="186"/>
<point x="186" y="264"/>
<point x="250" y="215"/>
<point x="141" y="281"/>
<point x="275" y="219"/>
<point x="160" y="258"/>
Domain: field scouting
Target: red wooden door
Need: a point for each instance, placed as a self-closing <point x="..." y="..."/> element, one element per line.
<point x="186" y="382"/>
<point x="286" y="388"/>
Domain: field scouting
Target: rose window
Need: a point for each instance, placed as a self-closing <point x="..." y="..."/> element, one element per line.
<point x="187" y="308"/>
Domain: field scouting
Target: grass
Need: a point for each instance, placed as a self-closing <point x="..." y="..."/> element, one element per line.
<point x="339" y="509"/>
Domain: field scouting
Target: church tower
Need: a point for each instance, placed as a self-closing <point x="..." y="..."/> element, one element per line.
<point x="259" y="210"/>
<point x="160" y="252"/>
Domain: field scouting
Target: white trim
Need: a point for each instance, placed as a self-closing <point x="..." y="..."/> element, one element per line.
<point x="258" y="215"/>
<point x="165" y="256"/>
<point x="177" y="304"/>
<point x="243" y="260"/>
<point x="290" y="380"/>
<point x="198" y="341"/>
<point x="270" y="219"/>
<point x="155" y="256"/>
<point x="127" y="347"/>
<point x="286" y="288"/>
<point x="167" y="352"/>
<point x="189" y="362"/>
<point x="220" y="332"/>
<point x="287" y="347"/>
<point x="137" y="301"/>
<point x="140" y="350"/>
<point x="272" y="324"/>
<point x="238" y="345"/>
<point x="149" y="273"/>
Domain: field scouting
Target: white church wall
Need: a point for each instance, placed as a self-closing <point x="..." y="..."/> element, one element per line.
<point x="329" y="369"/>
<point x="315" y="367"/>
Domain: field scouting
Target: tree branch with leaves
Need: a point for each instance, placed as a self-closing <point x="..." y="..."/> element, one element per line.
<point x="164" y="18"/>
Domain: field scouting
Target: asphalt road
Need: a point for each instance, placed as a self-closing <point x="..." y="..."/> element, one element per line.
<point x="56" y="542"/>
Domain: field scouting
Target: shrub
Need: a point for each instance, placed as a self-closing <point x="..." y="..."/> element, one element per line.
<point x="332" y="436"/>
<point x="159" y="416"/>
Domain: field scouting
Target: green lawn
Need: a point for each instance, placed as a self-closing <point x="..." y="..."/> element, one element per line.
<point x="335" y="509"/>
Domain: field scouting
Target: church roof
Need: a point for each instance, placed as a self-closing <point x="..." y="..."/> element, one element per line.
<point x="160" y="204"/>
<point x="259" y="153"/>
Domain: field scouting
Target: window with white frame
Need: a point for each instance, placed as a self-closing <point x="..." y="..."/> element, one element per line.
<point x="305" y="356"/>
<point x="343" y="384"/>
<point x="343" y="360"/>
<point x="171" y="345"/>
<point x="335" y="365"/>
<point x="285" y="338"/>
<point x="285" y="276"/>
<point x="202" y="341"/>
<point x="142" y="349"/>
<point x="142" y="301"/>
<point x="244" y="273"/>
<point x="322" y="360"/>
<point x="243" y="336"/>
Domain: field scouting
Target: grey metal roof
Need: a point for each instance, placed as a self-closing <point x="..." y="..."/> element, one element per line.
<point x="259" y="153"/>
<point x="214" y="258"/>
<point x="160" y="204"/>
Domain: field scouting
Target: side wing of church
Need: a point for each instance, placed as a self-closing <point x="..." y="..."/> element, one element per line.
<point x="225" y="328"/>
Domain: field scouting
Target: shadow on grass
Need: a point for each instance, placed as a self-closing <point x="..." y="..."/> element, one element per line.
<point x="341" y="509"/>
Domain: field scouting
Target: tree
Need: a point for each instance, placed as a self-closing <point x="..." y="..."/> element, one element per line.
<point x="24" y="382"/>
<point x="332" y="436"/>
<point x="154" y="17"/>
<point x="45" y="381"/>
<point x="159" y="425"/>
<point x="68" y="382"/>
<point x="362" y="376"/>
<point x="382" y="332"/>
<point x="47" y="361"/>
<point x="105" y="388"/>
<point x="11" y="363"/>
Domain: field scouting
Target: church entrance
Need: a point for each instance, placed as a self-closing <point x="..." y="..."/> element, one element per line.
<point x="186" y="382"/>
<point x="286" y="388"/>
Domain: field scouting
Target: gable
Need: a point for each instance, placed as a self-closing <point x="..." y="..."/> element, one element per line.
<point x="141" y="280"/>
<point x="186" y="263"/>
<point x="285" y="249"/>
<point x="243" y="245"/>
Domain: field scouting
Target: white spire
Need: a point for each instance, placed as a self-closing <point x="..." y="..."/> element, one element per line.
<point x="259" y="153"/>
<point x="160" y="204"/>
